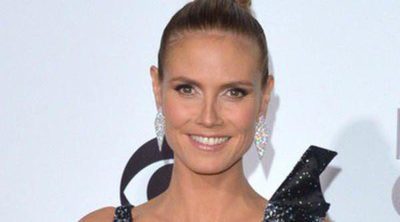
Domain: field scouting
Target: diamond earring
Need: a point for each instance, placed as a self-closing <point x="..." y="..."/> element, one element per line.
<point x="261" y="136"/>
<point x="159" y="125"/>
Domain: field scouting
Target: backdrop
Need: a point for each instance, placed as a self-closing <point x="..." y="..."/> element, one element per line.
<point x="76" y="102"/>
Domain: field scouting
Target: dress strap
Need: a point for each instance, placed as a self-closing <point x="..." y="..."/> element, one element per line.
<point x="123" y="214"/>
<point x="299" y="198"/>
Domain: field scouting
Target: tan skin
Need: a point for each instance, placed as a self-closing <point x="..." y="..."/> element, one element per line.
<point x="211" y="87"/>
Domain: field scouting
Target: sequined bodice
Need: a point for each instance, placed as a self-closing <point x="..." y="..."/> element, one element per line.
<point x="299" y="198"/>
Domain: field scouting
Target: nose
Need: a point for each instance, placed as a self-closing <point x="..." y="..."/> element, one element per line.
<point x="209" y="115"/>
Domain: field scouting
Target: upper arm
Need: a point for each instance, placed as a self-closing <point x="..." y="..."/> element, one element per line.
<point x="101" y="215"/>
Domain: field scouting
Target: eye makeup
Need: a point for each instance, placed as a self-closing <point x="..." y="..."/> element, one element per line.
<point x="185" y="89"/>
<point x="237" y="92"/>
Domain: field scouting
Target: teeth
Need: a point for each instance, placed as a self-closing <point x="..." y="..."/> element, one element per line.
<point x="210" y="140"/>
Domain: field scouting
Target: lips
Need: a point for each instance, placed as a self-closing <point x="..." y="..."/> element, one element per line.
<point x="209" y="143"/>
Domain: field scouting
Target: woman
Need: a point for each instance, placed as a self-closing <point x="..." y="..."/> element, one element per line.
<point x="212" y="90"/>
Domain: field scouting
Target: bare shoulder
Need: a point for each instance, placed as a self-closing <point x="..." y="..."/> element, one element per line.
<point x="100" y="215"/>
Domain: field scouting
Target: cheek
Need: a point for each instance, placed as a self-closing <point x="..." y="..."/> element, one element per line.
<point x="177" y="113"/>
<point x="242" y="116"/>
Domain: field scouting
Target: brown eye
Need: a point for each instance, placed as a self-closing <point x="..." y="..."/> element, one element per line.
<point x="185" y="89"/>
<point x="238" y="93"/>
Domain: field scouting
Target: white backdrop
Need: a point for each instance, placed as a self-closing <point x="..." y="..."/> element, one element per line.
<point x="76" y="101"/>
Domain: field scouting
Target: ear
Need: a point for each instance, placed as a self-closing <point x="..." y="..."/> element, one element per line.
<point x="156" y="86"/>
<point x="266" y="95"/>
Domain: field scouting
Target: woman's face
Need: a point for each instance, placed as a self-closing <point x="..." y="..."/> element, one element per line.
<point x="211" y="96"/>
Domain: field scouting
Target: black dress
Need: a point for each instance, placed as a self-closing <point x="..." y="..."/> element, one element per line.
<point x="298" y="199"/>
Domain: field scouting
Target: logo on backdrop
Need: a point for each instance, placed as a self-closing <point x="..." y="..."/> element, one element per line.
<point x="148" y="156"/>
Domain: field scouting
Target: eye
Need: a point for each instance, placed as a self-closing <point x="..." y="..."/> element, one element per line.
<point x="185" y="89"/>
<point x="237" y="92"/>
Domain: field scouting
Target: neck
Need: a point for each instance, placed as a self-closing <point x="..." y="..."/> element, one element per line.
<point x="199" y="197"/>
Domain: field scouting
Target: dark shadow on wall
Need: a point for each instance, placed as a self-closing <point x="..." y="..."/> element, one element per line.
<point x="396" y="196"/>
<point x="363" y="183"/>
<point x="328" y="176"/>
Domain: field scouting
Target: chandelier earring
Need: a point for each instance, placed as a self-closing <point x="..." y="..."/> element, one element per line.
<point x="261" y="136"/>
<point x="159" y="125"/>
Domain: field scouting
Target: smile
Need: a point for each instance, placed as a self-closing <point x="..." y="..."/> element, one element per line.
<point x="209" y="143"/>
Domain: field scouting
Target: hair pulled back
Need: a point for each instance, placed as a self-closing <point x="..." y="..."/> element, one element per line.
<point x="232" y="16"/>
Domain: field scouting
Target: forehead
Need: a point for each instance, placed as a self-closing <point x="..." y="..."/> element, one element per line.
<point x="216" y="54"/>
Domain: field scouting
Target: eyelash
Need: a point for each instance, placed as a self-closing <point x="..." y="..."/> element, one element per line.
<point x="242" y="92"/>
<point x="181" y="87"/>
<point x="184" y="86"/>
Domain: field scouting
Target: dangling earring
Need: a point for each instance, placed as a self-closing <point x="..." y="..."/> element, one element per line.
<point x="261" y="136"/>
<point x="159" y="125"/>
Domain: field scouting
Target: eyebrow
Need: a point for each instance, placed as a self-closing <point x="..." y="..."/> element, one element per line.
<point x="226" y="85"/>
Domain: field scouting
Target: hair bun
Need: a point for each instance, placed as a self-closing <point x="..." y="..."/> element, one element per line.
<point x="244" y="3"/>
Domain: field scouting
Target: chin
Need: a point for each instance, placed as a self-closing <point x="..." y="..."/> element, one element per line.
<point x="206" y="169"/>
<point x="208" y="166"/>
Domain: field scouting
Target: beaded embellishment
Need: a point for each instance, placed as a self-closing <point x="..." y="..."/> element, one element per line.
<point x="300" y="198"/>
<point x="123" y="214"/>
